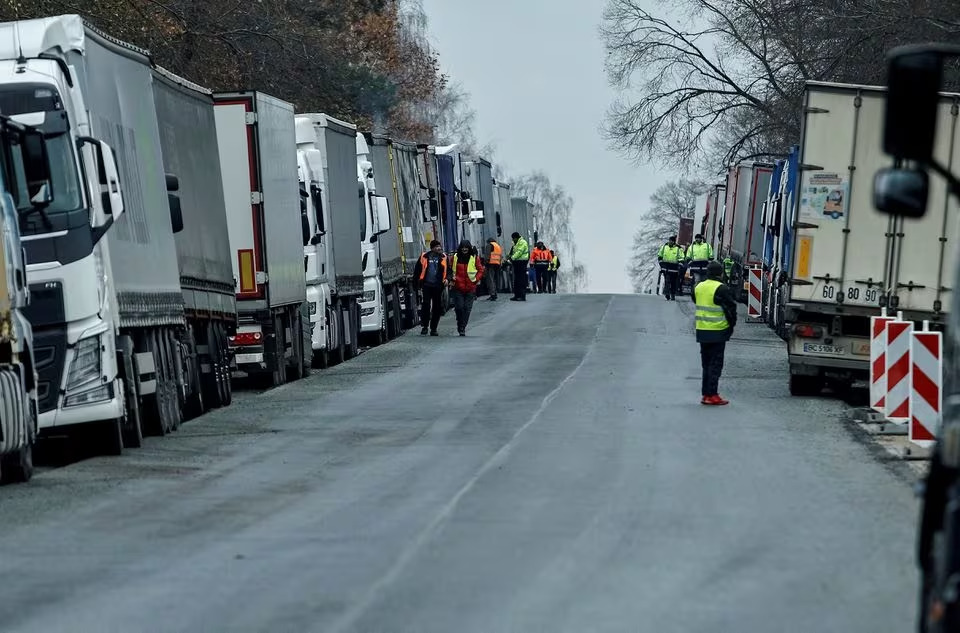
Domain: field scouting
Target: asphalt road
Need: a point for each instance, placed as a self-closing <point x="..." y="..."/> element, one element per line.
<point x="552" y="471"/>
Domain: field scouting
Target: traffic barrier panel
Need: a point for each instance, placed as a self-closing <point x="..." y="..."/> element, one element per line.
<point x="926" y="393"/>
<point x="896" y="405"/>
<point x="754" y="307"/>
<point x="878" y="360"/>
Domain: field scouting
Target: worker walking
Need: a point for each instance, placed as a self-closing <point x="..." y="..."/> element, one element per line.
<point x="669" y="257"/>
<point x="519" y="255"/>
<point x="716" y="316"/>
<point x="465" y="275"/>
<point x="552" y="273"/>
<point x="698" y="255"/>
<point x="541" y="261"/>
<point x="494" y="257"/>
<point x="431" y="276"/>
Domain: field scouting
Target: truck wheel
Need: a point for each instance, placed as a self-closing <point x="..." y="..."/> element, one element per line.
<point x="17" y="467"/>
<point x="132" y="429"/>
<point x="295" y="370"/>
<point x="805" y="385"/>
<point x="152" y="409"/>
<point x="279" y="374"/>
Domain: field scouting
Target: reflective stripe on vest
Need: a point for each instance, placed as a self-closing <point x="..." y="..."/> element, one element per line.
<point x="699" y="251"/>
<point x="496" y="254"/>
<point x="709" y="315"/>
<point x="471" y="268"/>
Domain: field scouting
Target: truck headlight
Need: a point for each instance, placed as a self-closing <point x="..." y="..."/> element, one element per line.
<point x="312" y="308"/>
<point x="368" y="296"/>
<point x="86" y="365"/>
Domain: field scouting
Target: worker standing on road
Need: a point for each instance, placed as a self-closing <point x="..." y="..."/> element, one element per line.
<point x="431" y="275"/>
<point x="494" y="256"/>
<point x="466" y="274"/>
<point x="519" y="255"/>
<point x="698" y="255"/>
<point x="716" y="316"/>
<point x="541" y="261"/>
<point x="552" y="269"/>
<point x="727" y="270"/>
<point x="669" y="257"/>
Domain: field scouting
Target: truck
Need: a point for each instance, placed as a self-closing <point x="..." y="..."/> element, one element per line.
<point x="742" y="234"/>
<point x="331" y="224"/>
<point x="257" y="144"/>
<point x="505" y="226"/>
<point x="448" y="200"/>
<point x="22" y="151"/>
<point x="918" y="180"/>
<point x="685" y="232"/>
<point x="188" y="142"/>
<point x="379" y="305"/>
<point x="778" y="231"/>
<point x="107" y="306"/>
<point x="414" y="228"/>
<point x="848" y="261"/>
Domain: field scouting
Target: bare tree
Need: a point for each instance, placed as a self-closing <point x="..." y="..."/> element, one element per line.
<point x="668" y="204"/>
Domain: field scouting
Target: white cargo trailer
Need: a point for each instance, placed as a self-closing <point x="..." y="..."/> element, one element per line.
<point x="848" y="259"/>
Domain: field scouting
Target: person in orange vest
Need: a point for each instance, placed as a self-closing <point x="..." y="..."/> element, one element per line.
<point x="466" y="273"/>
<point x="494" y="256"/>
<point x="541" y="262"/>
<point x="431" y="275"/>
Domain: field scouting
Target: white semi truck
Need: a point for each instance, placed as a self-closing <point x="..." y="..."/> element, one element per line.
<point x="25" y="189"/>
<point x="258" y="161"/>
<point x="848" y="260"/>
<point x="326" y="155"/>
<point x="103" y="272"/>
<point x="377" y="309"/>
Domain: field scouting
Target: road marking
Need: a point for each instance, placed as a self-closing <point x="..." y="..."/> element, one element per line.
<point x="361" y="606"/>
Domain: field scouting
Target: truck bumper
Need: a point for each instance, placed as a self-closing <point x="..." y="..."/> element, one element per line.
<point x="83" y="413"/>
<point x="371" y="309"/>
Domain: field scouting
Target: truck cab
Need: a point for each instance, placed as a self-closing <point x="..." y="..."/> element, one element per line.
<point x="375" y="221"/>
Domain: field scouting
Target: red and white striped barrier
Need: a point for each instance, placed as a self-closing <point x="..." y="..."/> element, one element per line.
<point x="896" y="405"/>
<point x="878" y="360"/>
<point x="926" y="393"/>
<point x="754" y="303"/>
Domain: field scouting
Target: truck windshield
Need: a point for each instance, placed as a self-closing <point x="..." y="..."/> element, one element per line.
<point x="66" y="211"/>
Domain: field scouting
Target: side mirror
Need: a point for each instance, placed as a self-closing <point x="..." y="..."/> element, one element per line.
<point x="173" y="183"/>
<point x="910" y="119"/>
<point x="108" y="180"/>
<point x="381" y="212"/>
<point x="316" y="239"/>
<point x="176" y="213"/>
<point x="901" y="192"/>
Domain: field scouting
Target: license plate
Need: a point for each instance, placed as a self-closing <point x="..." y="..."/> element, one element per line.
<point x="819" y="348"/>
<point x="243" y="359"/>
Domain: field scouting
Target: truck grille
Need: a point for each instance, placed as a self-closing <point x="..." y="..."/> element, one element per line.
<point x="49" y="353"/>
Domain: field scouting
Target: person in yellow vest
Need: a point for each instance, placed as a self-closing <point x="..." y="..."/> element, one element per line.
<point x="494" y="257"/>
<point x="716" y="316"/>
<point x="698" y="254"/>
<point x="466" y="272"/>
<point x="669" y="256"/>
<point x="552" y="268"/>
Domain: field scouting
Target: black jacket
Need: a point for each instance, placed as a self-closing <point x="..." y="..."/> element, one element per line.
<point x="725" y="299"/>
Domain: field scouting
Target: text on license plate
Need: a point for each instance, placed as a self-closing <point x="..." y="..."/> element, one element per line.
<point x="819" y="348"/>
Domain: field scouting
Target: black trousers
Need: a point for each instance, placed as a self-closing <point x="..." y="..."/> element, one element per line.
<point x="711" y="358"/>
<point x="431" y="309"/>
<point x="552" y="282"/>
<point x="520" y="281"/>
<point x="493" y="279"/>
<point x="542" y="273"/>
<point x="671" y="277"/>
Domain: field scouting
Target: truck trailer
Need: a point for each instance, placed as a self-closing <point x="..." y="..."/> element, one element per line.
<point x="188" y="140"/>
<point x="22" y="152"/>
<point x="332" y="224"/>
<point x="107" y="306"/>
<point x="848" y="260"/>
<point x="742" y="236"/>
<point x="258" y="152"/>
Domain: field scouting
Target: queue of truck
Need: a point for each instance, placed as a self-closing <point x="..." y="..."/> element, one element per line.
<point x="161" y="240"/>
<point x="828" y="260"/>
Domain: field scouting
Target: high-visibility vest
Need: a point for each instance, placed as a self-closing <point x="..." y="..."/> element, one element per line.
<point x="727" y="265"/>
<point x="709" y="315"/>
<point x="553" y="263"/>
<point x="471" y="267"/>
<point x="699" y="252"/>
<point x="496" y="254"/>
<point x="670" y="254"/>
<point x="423" y="266"/>
<point x="521" y="251"/>
<point x="540" y="256"/>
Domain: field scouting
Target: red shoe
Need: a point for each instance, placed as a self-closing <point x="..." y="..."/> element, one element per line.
<point x="705" y="400"/>
<point x="717" y="400"/>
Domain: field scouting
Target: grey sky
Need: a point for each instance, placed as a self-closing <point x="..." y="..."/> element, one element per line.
<point x="534" y="70"/>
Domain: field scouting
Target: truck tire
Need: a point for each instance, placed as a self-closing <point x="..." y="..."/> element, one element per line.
<point x="108" y="437"/>
<point x="295" y="368"/>
<point x="224" y="379"/>
<point x="132" y="427"/>
<point x="152" y="406"/>
<point x="805" y="385"/>
<point x="279" y="374"/>
<point x="17" y="467"/>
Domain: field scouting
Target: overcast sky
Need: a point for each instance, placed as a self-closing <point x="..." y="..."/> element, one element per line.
<point x="534" y="70"/>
